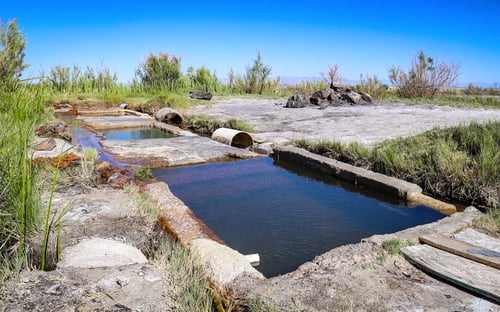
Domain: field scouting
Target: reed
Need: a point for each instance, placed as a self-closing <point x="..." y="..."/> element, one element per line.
<point x="21" y="109"/>
<point x="459" y="163"/>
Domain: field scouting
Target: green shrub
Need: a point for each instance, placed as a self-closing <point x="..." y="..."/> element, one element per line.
<point x="160" y="71"/>
<point x="424" y="79"/>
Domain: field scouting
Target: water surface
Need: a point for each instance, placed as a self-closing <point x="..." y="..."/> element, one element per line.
<point x="135" y="134"/>
<point x="285" y="213"/>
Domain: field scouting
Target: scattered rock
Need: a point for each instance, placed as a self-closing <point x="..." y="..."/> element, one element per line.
<point x="333" y="96"/>
<point x="46" y="145"/>
<point x="298" y="100"/>
<point x="55" y="129"/>
<point x="118" y="180"/>
<point x="170" y="116"/>
<point x="105" y="170"/>
<point x="65" y="108"/>
<point x="64" y="160"/>
<point x="207" y="96"/>
<point x="366" y="97"/>
<point x="352" y="97"/>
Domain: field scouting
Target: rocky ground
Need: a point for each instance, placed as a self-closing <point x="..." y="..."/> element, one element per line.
<point x="357" y="277"/>
<point x="366" y="124"/>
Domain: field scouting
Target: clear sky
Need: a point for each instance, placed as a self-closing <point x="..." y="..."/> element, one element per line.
<point x="296" y="38"/>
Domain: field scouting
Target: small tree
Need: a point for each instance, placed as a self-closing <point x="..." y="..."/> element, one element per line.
<point x="333" y="75"/>
<point x="256" y="75"/>
<point x="424" y="78"/>
<point x="161" y="71"/>
<point x="12" y="44"/>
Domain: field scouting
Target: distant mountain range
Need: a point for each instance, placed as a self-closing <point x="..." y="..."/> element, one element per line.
<point x="289" y="80"/>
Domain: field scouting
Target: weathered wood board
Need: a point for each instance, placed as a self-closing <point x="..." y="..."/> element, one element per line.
<point x="476" y="277"/>
<point x="474" y="237"/>
<point x="463" y="249"/>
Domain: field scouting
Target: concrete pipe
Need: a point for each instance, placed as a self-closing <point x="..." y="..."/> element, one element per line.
<point x="233" y="137"/>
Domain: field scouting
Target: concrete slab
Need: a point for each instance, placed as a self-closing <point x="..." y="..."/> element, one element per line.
<point x="224" y="264"/>
<point x="98" y="252"/>
<point x="62" y="147"/>
<point x="156" y="153"/>
<point x="118" y="122"/>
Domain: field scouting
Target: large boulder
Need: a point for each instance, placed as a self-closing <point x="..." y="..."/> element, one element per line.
<point x="321" y="98"/>
<point x="366" y="97"/>
<point x="298" y="100"/>
<point x="352" y="97"/>
<point x="333" y="99"/>
<point x="207" y="96"/>
<point x="169" y="115"/>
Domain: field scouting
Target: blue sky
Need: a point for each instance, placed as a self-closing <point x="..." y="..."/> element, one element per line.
<point x="296" y="38"/>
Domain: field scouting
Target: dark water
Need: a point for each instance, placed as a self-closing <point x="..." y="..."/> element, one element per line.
<point x="135" y="134"/>
<point x="286" y="214"/>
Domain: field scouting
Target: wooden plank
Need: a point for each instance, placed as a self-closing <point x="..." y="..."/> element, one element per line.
<point x="463" y="249"/>
<point x="476" y="277"/>
<point x="474" y="237"/>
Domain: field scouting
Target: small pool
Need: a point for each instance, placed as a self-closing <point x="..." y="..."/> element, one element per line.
<point x="285" y="213"/>
<point x="135" y="134"/>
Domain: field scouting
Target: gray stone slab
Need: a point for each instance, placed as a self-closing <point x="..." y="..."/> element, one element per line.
<point x="156" y="153"/>
<point x="62" y="147"/>
<point x="98" y="252"/>
<point x="118" y="122"/>
<point x="222" y="263"/>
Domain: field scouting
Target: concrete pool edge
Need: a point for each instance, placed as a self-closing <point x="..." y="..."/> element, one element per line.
<point x="223" y="264"/>
<point x="362" y="177"/>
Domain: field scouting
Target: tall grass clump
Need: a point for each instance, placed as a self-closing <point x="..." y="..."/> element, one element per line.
<point x="188" y="286"/>
<point x="460" y="163"/>
<point x="21" y="109"/>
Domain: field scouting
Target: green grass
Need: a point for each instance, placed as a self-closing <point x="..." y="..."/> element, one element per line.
<point x="460" y="163"/>
<point x="142" y="202"/>
<point x="187" y="284"/>
<point x="206" y="125"/>
<point x="21" y="109"/>
<point x="489" y="223"/>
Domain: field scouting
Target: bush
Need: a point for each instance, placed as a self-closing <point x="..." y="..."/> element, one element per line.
<point x="372" y="86"/>
<point x="160" y="72"/>
<point x="256" y="75"/>
<point x="424" y="79"/>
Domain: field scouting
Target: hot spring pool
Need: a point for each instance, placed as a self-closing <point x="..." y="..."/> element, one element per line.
<point x="285" y="213"/>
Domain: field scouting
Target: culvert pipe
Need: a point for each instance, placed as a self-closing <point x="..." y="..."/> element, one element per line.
<point x="233" y="137"/>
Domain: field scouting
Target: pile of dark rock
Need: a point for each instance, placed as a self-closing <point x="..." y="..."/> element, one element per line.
<point x="333" y="96"/>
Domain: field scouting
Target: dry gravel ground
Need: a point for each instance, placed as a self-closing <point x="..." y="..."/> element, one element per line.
<point x="366" y="124"/>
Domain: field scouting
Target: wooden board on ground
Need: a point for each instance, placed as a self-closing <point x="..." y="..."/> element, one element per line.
<point x="463" y="249"/>
<point x="474" y="237"/>
<point x="476" y="277"/>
